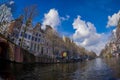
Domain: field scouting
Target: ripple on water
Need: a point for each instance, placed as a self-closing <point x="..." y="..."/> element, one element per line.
<point x="95" y="69"/>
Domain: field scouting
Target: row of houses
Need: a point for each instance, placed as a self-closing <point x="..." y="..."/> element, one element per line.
<point x="39" y="42"/>
<point x="112" y="48"/>
<point x="36" y="40"/>
<point x="43" y="42"/>
<point x="32" y="38"/>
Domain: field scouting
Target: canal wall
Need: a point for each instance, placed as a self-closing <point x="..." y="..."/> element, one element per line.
<point x="14" y="53"/>
<point x="23" y="56"/>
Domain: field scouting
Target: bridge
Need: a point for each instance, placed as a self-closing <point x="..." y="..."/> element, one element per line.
<point x="9" y="51"/>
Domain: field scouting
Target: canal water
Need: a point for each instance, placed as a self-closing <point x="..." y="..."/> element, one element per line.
<point x="97" y="69"/>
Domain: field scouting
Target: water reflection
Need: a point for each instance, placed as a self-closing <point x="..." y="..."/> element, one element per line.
<point x="6" y="71"/>
<point x="94" y="70"/>
<point x="114" y="64"/>
<point x="97" y="69"/>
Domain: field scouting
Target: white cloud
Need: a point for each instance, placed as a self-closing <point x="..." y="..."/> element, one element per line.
<point x="51" y="18"/>
<point x="113" y="20"/>
<point x="11" y="2"/>
<point x="86" y="35"/>
<point x="81" y="28"/>
<point x="65" y="18"/>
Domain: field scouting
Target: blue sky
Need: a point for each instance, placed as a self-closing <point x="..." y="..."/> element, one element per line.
<point x="95" y="11"/>
<point x="79" y="12"/>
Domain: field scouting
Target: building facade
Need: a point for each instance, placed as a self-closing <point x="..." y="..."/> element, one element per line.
<point x="31" y="38"/>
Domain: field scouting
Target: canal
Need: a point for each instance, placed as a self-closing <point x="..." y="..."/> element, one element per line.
<point x="97" y="69"/>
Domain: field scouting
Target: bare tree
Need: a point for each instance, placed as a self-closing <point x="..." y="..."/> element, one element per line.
<point x="29" y="14"/>
<point x="5" y="18"/>
<point x="53" y="36"/>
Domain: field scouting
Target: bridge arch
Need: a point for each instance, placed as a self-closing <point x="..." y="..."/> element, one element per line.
<point x="6" y="51"/>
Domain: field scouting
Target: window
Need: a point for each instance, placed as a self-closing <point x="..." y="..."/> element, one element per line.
<point x="36" y="34"/>
<point x="38" y="48"/>
<point x="31" y="48"/>
<point x="39" y="40"/>
<point x="25" y="35"/>
<point x="21" y="34"/>
<point x="47" y="43"/>
<point x="34" y="47"/>
<point x="17" y="35"/>
<point x="29" y="36"/>
<point x="19" y="44"/>
<point x="20" y="40"/>
<point x="32" y="38"/>
<point x="35" y="39"/>
<point x="39" y="35"/>
<point x="41" y="50"/>
<point x="47" y="50"/>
